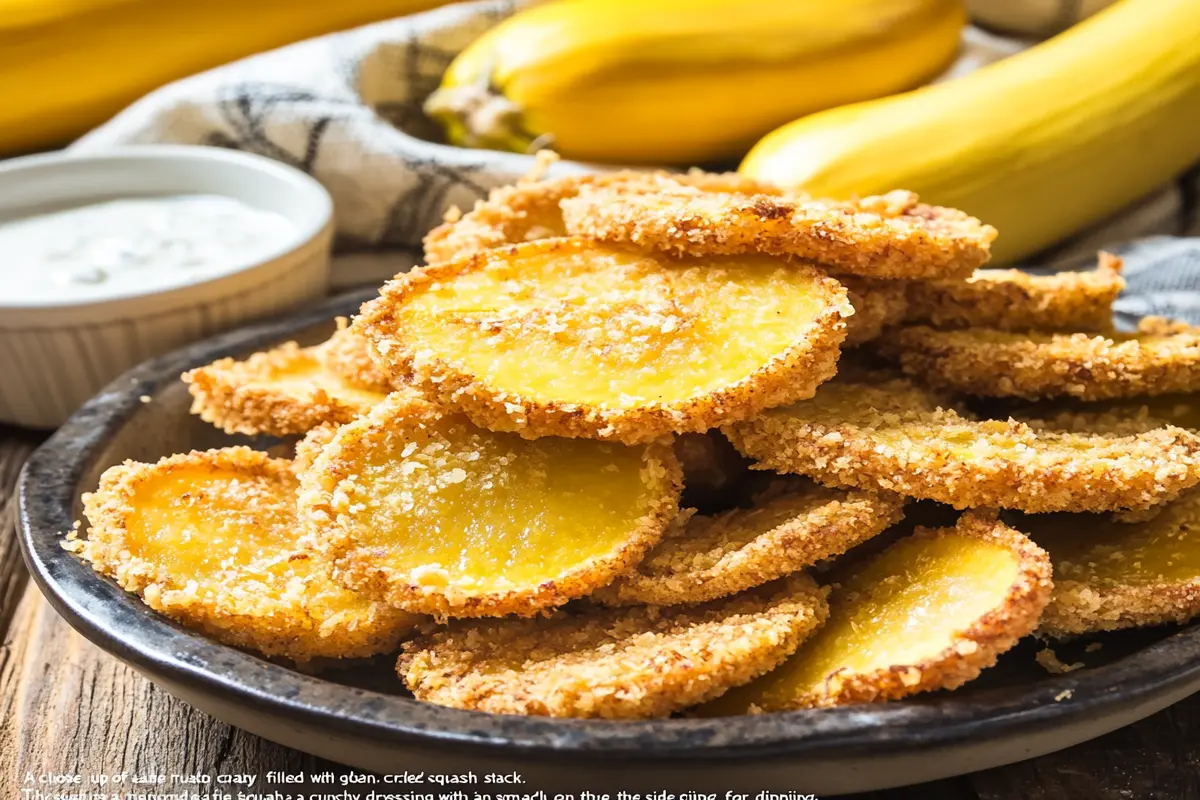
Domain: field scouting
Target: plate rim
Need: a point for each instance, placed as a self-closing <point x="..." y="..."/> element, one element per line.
<point x="120" y="624"/>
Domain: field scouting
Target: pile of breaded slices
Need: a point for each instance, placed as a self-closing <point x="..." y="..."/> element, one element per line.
<point x="641" y="444"/>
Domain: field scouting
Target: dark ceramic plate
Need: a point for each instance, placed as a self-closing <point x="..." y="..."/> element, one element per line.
<point x="362" y="717"/>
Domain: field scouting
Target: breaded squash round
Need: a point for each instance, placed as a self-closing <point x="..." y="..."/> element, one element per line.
<point x="283" y="392"/>
<point x="630" y="663"/>
<point x="529" y="210"/>
<point x="890" y="236"/>
<point x="1110" y="574"/>
<point x="420" y="508"/>
<point x="567" y="337"/>
<point x="930" y="612"/>
<point x="210" y="540"/>
<point x="1034" y="365"/>
<point x="894" y="436"/>
<point x="705" y="557"/>
<point x="1013" y="300"/>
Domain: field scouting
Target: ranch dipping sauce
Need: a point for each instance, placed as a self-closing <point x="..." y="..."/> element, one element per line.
<point x="133" y="246"/>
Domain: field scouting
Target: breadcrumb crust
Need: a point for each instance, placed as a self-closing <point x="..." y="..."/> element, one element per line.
<point x="529" y="210"/>
<point x="1013" y="300"/>
<point x="893" y="437"/>
<point x="1090" y="605"/>
<point x="348" y="357"/>
<point x="990" y="363"/>
<point x="303" y="618"/>
<point x="247" y="397"/>
<point x="630" y="663"/>
<point x="890" y="236"/>
<point x="792" y="374"/>
<point x="702" y="558"/>
<point x="878" y="305"/>
<point x="337" y="481"/>
<point x="967" y="652"/>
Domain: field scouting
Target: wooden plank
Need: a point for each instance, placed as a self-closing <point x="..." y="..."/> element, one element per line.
<point x="15" y="447"/>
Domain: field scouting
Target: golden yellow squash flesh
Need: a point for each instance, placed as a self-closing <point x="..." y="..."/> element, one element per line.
<point x="1039" y="145"/>
<point x="575" y="338"/>
<point x="435" y="515"/>
<point x="212" y="540"/>
<point x="930" y="612"/>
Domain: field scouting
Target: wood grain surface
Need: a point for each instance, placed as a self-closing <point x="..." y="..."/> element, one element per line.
<point x="67" y="707"/>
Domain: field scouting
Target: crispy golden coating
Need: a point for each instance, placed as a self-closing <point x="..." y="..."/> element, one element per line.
<point x="878" y="305"/>
<point x="210" y="540"/>
<point x="930" y="612"/>
<point x="991" y="363"/>
<point x="426" y="511"/>
<point x="1012" y="300"/>
<point x="347" y="356"/>
<point x="310" y="446"/>
<point x="1109" y="422"/>
<point x="1106" y="416"/>
<point x="891" y="236"/>
<point x="702" y="558"/>
<point x="568" y="337"/>
<point x="530" y="210"/>
<point x="629" y="663"/>
<point x="282" y="392"/>
<point x="894" y="436"/>
<point x="1110" y="574"/>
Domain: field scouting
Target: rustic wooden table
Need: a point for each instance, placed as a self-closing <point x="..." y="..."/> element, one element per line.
<point x="67" y="707"/>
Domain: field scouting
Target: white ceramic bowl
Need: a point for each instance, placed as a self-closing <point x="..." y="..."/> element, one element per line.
<point x="55" y="355"/>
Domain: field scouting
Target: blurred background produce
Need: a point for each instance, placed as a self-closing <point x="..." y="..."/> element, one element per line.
<point x="68" y="65"/>
<point x="1077" y="139"/>
<point x="1039" y="145"/>
<point x="683" y="81"/>
<point x="1037" y="18"/>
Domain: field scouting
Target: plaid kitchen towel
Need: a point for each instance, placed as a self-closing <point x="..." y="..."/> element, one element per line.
<point x="347" y="109"/>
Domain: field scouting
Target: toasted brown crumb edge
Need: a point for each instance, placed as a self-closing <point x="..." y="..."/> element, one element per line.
<point x="794" y="545"/>
<point x="221" y="397"/>
<point x="1077" y="609"/>
<point x="1081" y="366"/>
<point x="655" y="692"/>
<point x="939" y="243"/>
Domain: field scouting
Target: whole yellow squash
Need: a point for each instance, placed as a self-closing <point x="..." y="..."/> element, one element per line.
<point x="683" y="81"/>
<point x="68" y="65"/>
<point x="1039" y="145"/>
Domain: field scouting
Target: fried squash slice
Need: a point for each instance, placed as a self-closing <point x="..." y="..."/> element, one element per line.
<point x="889" y="236"/>
<point x="706" y="557"/>
<point x="424" y="510"/>
<point x="930" y="612"/>
<point x="283" y="392"/>
<point x="1110" y="574"/>
<point x="210" y="539"/>
<point x="894" y="436"/>
<point x="1013" y="300"/>
<point x="878" y="305"/>
<point x="566" y="337"/>
<point x="348" y="357"/>
<point x="629" y="663"/>
<point x="1035" y="365"/>
<point x="530" y="210"/>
